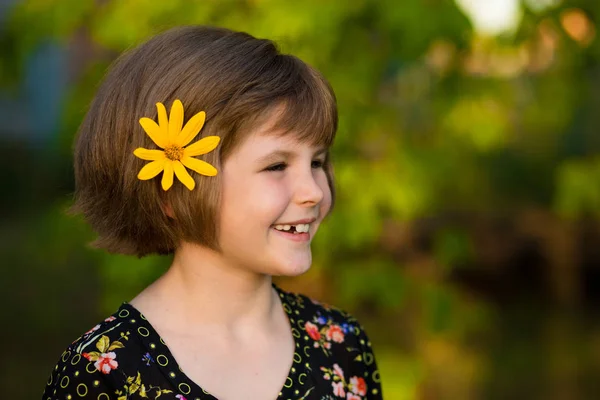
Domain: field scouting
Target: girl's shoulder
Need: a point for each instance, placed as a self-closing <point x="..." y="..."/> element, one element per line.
<point x="324" y="323"/>
<point x="116" y="330"/>
<point x="315" y="310"/>
<point x="104" y="361"/>
<point x="335" y="347"/>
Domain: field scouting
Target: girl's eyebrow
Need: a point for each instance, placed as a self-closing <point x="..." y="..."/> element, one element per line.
<point x="278" y="154"/>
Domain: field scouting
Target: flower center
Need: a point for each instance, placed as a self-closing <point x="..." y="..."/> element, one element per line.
<point x="174" y="153"/>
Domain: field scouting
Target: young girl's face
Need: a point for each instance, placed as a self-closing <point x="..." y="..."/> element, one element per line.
<point x="269" y="181"/>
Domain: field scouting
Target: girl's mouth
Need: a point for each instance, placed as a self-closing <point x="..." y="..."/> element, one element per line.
<point x="293" y="234"/>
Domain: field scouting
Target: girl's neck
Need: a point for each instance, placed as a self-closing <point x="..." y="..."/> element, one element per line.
<point x="202" y="289"/>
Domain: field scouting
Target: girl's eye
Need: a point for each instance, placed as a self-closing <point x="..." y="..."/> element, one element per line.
<point x="282" y="166"/>
<point x="317" y="164"/>
<point x="277" y="167"/>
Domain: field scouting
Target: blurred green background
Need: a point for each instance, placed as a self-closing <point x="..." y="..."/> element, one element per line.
<point x="466" y="236"/>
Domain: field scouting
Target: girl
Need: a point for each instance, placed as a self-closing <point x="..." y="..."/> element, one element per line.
<point x="211" y="145"/>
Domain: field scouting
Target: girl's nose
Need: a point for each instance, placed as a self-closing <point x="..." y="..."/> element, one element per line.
<point x="308" y="190"/>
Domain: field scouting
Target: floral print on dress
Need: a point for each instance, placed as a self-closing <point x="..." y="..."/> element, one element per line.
<point x="324" y="332"/>
<point x="352" y="389"/>
<point x="134" y="385"/>
<point x="95" y="328"/>
<point x="335" y="333"/>
<point x="104" y="358"/>
<point x="125" y="358"/>
<point x="148" y="359"/>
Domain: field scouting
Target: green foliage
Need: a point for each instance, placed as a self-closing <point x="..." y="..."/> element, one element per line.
<point x="452" y="247"/>
<point x="578" y="188"/>
<point x="123" y="277"/>
<point x="438" y="126"/>
<point x="371" y="280"/>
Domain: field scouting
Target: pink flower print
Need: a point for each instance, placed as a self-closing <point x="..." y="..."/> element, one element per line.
<point x="327" y="373"/>
<point x="338" y="371"/>
<point x="109" y="319"/>
<point x="312" y="331"/>
<point x="180" y="397"/>
<point x="335" y="333"/>
<point x="338" y="389"/>
<point x="351" y="396"/>
<point x="106" y="362"/>
<point x="358" y="385"/>
<point x="327" y="345"/>
<point x="93" y="329"/>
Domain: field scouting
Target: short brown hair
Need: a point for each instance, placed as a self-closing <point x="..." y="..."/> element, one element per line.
<point x="237" y="79"/>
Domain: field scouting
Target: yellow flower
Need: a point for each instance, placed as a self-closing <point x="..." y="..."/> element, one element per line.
<point x="169" y="136"/>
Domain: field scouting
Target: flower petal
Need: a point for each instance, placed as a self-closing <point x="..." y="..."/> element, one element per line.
<point x="201" y="167"/>
<point x="150" y="170"/>
<point x="202" y="146"/>
<point x="191" y="129"/>
<point x="183" y="175"/>
<point x="163" y="121"/>
<point x="146" y="154"/>
<point x="175" y="120"/>
<point x="152" y="129"/>
<point x="167" y="178"/>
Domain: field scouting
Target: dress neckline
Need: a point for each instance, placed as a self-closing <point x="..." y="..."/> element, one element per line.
<point x="172" y="371"/>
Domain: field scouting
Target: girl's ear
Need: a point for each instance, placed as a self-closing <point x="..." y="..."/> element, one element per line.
<point x="167" y="209"/>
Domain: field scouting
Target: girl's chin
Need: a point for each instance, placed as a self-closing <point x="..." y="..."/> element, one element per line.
<point x="292" y="270"/>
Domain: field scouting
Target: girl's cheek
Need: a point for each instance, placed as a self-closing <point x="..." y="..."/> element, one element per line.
<point x="270" y="198"/>
<point x="275" y="187"/>
<point x="326" y="202"/>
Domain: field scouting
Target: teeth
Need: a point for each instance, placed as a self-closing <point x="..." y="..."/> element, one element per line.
<point x="299" y="228"/>
<point x="302" y="227"/>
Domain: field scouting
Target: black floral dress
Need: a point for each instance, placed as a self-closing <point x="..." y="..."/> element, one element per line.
<point x="123" y="357"/>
